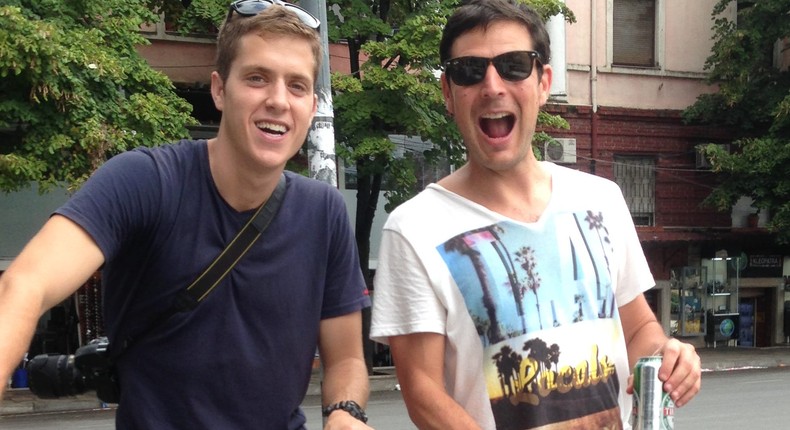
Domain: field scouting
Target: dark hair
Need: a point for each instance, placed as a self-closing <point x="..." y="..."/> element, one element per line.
<point x="275" y="20"/>
<point x="482" y="13"/>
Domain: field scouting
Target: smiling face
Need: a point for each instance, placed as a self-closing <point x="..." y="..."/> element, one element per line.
<point x="497" y="117"/>
<point x="267" y="100"/>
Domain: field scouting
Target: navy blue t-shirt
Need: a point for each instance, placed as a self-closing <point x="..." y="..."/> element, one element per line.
<point x="242" y="359"/>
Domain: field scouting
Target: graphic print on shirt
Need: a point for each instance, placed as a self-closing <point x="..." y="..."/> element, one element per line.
<point x="541" y="299"/>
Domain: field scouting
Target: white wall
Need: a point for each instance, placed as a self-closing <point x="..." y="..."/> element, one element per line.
<point x="22" y="214"/>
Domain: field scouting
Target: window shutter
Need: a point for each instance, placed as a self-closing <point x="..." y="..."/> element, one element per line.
<point x="634" y="32"/>
<point x="637" y="180"/>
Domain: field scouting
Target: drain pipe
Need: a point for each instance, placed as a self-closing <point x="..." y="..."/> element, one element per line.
<point x="593" y="85"/>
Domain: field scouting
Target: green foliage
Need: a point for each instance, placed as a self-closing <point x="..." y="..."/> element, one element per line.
<point x="754" y="100"/>
<point x="201" y="17"/>
<point x="550" y="8"/>
<point x="355" y="20"/>
<point x="76" y="92"/>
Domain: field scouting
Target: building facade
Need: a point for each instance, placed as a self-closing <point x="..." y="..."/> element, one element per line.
<point x="628" y="69"/>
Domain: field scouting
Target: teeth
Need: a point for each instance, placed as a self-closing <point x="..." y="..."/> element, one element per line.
<point x="495" y="115"/>
<point x="267" y="126"/>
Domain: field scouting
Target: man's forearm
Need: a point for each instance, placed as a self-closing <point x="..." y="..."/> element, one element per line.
<point x="346" y="380"/>
<point x="648" y="340"/>
<point x="431" y="408"/>
<point x="18" y="319"/>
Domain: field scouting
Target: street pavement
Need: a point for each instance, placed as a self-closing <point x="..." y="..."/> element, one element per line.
<point x="722" y="358"/>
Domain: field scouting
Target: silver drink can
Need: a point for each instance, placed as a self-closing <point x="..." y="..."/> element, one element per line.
<point x="653" y="409"/>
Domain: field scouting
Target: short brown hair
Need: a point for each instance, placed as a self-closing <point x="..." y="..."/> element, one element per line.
<point x="275" y="20"/>
<point x="479" y="14"/>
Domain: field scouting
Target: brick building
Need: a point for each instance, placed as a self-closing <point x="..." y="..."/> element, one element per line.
<point x="627" y="69"/>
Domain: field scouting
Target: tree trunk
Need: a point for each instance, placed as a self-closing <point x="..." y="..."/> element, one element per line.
<point x="368" y="189"/>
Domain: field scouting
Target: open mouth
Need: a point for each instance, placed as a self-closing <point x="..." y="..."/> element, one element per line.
<point x="271" y="128"/>
<point x="497" y="125"/>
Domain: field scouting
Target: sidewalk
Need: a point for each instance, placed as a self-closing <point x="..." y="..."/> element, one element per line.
<point x="22" y="401"/>
<point x="723" y="358"/>
<point x="726" y="358"/>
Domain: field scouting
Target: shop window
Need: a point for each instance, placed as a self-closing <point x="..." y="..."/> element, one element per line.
<point x="634" y="33"/>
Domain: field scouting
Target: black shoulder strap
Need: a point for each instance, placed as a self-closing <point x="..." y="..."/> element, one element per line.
<point x="188" y="298"/>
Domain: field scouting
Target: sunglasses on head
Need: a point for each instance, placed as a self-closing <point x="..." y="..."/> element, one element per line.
<point x="254" y="7"/>
<point x="511" y="66"/>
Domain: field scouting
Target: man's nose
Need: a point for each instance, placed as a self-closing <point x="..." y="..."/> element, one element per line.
<point x="492" y="83"/>
<point x="277" y="96"/>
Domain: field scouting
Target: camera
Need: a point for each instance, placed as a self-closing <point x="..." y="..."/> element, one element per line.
<point x="90" y="368"/>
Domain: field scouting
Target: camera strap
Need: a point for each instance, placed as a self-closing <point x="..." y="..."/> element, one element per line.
<point x="188" y="298"/>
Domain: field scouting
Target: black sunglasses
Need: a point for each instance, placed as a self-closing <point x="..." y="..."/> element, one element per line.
<point x="511" y="66"/>
<point x="254" y="7"/>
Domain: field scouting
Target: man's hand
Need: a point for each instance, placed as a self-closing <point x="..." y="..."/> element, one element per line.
<point x="342" y="420"/>
<point x="680" y="372"/>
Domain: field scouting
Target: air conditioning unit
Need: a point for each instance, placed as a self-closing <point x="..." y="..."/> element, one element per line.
<point x="701" y="160"/>
<point x="560" y="150"/>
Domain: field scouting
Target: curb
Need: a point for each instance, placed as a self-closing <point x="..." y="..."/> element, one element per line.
<point x="22" y="401"/>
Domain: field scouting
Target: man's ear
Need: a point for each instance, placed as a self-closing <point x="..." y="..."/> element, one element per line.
<point x="217" y="91"/>
<point x="545" y="84"/>
<point x="448" y="96"/>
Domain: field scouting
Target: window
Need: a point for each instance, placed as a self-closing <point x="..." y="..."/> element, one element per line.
<point x="637" y="179"/>
<point x="634" y="33"/>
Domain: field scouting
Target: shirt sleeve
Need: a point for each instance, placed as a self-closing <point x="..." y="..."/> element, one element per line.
<point x="117" y="201"/>
<point x="633" y="272"/>
<point x="404" y="300"/>
<point x="346" y="291"/>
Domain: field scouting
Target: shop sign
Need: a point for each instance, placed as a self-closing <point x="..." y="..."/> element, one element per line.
<point x="727" y="328"/>
<point x="765" y="261"/>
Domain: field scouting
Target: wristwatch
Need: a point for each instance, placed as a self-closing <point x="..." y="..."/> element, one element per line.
<point x="349" y="406"/>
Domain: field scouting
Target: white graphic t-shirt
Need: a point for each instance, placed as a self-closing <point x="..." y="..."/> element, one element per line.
<point x="529" y="310"/>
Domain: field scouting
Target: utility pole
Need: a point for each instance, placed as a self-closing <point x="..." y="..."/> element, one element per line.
<point x="321" y="158"/>
<point x="321" y="144"/>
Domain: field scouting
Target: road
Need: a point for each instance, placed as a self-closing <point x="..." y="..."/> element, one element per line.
<point x="740" y="399"/>
<point x="732" y="400"/>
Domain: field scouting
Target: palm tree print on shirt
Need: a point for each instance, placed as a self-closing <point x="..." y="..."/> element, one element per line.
<point x="566" y="269"/>
<point x="526" y="257"/>
<point x="463" y="244"/>
<point x="508" y="364"/>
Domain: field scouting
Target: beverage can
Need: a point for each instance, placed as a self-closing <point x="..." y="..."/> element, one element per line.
<point x="653" y="409"/>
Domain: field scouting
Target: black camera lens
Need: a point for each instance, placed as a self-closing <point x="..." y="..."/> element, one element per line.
<point x="54" y="375"/>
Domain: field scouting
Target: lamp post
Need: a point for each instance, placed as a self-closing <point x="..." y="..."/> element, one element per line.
<point x="321" y="157"/>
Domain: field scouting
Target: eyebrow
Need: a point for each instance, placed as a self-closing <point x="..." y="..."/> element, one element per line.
<point x="257" y="68"/>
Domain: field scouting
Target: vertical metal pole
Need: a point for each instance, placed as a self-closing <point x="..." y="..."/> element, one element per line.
<point x="321" y="158"/>
<point x="321" y="138"/>
<point x="558" y="61"/>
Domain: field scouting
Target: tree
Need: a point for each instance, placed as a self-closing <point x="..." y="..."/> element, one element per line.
<point x="76" y="92"/>
<point x="754" y="101"/>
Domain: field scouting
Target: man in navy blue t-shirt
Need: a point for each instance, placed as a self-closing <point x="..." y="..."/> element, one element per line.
<point x="153" y="219"/>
